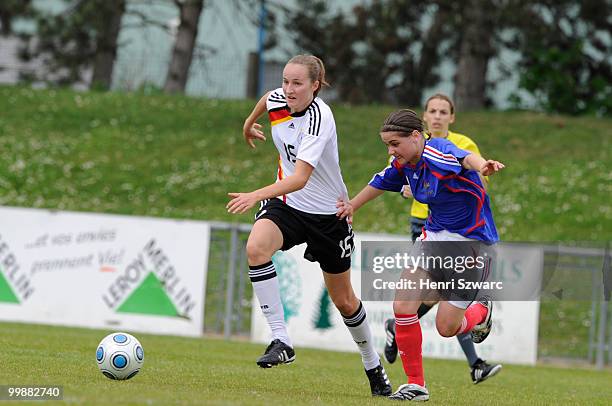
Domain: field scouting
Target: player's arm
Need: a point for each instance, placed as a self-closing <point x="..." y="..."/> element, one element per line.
<point x="242" y="202"/>
<point x="252" y="129"/>
<point x="472" y="147"/>
<point x="367" y="193"/>
<point x="485" y="167"/>
<point x="347" y="209"/>
<point x="389" y="179"/>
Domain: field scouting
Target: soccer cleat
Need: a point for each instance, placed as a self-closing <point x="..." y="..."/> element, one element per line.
<point x="481" y="371"/>
<point x="411" y="391"/>
<point x="391" y="344"/>
<point x="277" y="353"/>
<point x="481" y="331"/>
<point x="379" y="382"/>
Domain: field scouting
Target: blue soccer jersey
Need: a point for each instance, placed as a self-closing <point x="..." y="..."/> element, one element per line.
<point x="456" y="197"/>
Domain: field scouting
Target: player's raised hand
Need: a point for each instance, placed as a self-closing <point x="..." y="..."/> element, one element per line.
<point x="240" y="202"/>
<point x="491" y="167"/>
<point x="345" y="209"/>
<point x="253" y="132"/>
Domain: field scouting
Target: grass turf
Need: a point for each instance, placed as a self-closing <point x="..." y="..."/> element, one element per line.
<point x="189" y="371"/>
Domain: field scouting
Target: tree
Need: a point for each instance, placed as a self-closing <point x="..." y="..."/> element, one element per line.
<point x="11" y="9"/>
<point x="182" y="52"/>
<point x="369" y="56"/>
<point x="314" y="30"/>
<point x="476" y="48"/>
<point x="106" y="44"/>
<point x="565" y="54"/>
<point x="84" y="36"/>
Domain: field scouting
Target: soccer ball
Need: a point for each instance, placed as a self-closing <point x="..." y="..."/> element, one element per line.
<point x="120" y="356"/>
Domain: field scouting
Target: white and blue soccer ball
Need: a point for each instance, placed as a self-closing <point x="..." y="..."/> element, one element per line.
<point x="120" y="356"/>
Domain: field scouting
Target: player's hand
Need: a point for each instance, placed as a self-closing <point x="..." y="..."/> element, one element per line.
<point x="241" y="202"/>
<point x="345" y="209"/>
<point x="253" y="133"/>
<point x="406" y="192"/>
<point x="491" y="167"/>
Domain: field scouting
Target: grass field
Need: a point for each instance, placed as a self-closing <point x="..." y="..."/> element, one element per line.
<point x="175" y="156"/>
<point x="188" y="371"/>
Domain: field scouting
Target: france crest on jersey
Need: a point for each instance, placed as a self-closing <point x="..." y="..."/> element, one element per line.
<point x="456" y="197"/>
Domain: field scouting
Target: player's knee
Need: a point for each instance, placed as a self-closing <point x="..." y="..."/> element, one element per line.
<point x="404" y="307"/>
<point x="257" y="252"/>
<point x="446" y="329"/>
<point x="345" y="305"/>
<point x="397" y="307"/>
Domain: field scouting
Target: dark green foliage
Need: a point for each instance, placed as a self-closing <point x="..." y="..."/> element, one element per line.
<point x="69" y="43"/>
<point x="565" y="51"/>
<point x="373" y="54"/>
<point x="12" y="9"/>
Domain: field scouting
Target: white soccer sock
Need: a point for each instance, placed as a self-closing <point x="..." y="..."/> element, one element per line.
<point x="359" y="328"/>
<point x="265" y="284"/>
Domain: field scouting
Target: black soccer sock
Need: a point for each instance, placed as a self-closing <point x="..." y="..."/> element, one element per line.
<point x="423" y="309"/>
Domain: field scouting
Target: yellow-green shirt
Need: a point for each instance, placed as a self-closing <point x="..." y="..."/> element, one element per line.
<point x="464" y="142"/>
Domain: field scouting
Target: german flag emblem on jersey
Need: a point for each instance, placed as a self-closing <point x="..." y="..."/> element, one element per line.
<point x="278" y="116"/>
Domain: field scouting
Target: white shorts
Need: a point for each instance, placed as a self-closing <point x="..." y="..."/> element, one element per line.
<point x="444" y="235"/>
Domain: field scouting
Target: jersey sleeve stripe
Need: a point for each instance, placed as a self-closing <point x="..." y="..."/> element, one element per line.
<point x="310" y="118"/>
<point x="440" y="154"/>
<point x="276" y="99"/>
<point x="318" y="118"/>
<point x="277" y="95"/>
<point x="314" y="119"/>
<point x="442" y="161"/>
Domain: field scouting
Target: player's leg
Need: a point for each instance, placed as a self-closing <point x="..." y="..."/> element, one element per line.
<point x="391" y="344"/>
<point x="465" y="340"/>
<point x="467" y="345"/>
<point x="390" y="350"/>
<point x="455" y="317"/>
<point x="480" y="370"/>
<point x="265" y="239"/>
<point x="478" y="313"/>
<point x="354" y="316"/>
<point x="409" y="341"/>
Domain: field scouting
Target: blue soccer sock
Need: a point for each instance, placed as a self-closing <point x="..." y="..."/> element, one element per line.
<point x="467" y="345"/>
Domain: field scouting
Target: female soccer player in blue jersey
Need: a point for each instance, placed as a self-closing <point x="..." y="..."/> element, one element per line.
<point x="447" y="179"/>
<point x="300" y="208"/>
<point x="439" y="114"/>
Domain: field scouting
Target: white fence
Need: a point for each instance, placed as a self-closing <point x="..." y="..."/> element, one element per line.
<point x="150" y="275"/>
<point x="105" y="271"/>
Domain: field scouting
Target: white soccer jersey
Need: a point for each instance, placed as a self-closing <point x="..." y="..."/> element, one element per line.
<point x="311" y="137"/>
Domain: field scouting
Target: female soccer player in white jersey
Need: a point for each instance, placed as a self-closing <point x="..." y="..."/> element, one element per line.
<point x="300" y="207"/>
<point x="447" y="179"/>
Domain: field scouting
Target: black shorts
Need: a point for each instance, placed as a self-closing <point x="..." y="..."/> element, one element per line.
<point x="329" y="240"/>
